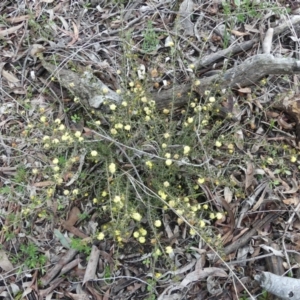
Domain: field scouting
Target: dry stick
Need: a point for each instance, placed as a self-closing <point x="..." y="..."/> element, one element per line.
<point x="59" y="265"/>
<point x="92" y="265"/>
<point x="249" y="234"/>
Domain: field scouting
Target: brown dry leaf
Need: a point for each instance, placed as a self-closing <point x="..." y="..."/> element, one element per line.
<point x="154" y="73"/>
<point x="69" y="224"/>
<point x="239" y="139"/>
<point x="239" y="33"/>
<point x="245" y="90"/>
<point x="75" y="35"/>
<point x="291" y="201"/>
<point x="228" y="194"/>
<point x="10" y="77"/>
<point x="249" y="175"/>
<point x="18" y="19"/>
<point x="73" y="216"/>
<point x="5" y="263"/>
<point x="6" y="32"/>
<point x="203" y="273"/>
<point x="294" y="189"/>
<point x="43" y="183"/>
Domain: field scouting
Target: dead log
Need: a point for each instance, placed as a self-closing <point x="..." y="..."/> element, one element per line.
<point x="246" y="74"/>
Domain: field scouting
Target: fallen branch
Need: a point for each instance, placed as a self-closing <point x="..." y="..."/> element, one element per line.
<point x="247" y="73"/>
<point x="284" y="287"/>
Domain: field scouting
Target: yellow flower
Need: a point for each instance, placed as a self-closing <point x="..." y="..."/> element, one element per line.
<point x="168" y="162"/>
<point x="119" y="125"/>
<point x="149" y="164"/>
<point x="157" y="223"/>
<point x="35" y="171"/>
<point x="192" y="232"/>
<point x="113" y="131"/>
<point x="143" y="231"/>
<point x="166" y="135"/>
<point x="136" y="216"/>
<point x="212" y="216"/>
<point x="144" y="99"/>
<point x="55" y="141"/>
<point x="124" y="103"/>
<point x="55" y="161"/>
<point x="166" y="111"/>
<point x="201" y="223"/>
<point x="142" y="240"/>
<point x="164" y="145"/>
<point x="104" y="194"/>
<point x="95" y="200"/>
<point x="157" y="252"/>
<point x="43" y="119"/>
<point x="167" y="155"/>
<point x="117" y="199"/>
<point x="77" y="134"/>
<point x="105" y="90"/>
<point x="190" y="120"/>
<point x="166" y="184"/>
<point x="56" y="168"/>
<point x="201" y="180"/>
<point x="113" y="107"/>
<point x="170" y="44"/>
<point x="186" y="149"/>
<point x="62" y="127"/>
<point x="98" y="122"/>
<point x="169" y="250"/>
<point x="66" y="192"/>
<point x="205" y="206"/>
<point x="101" y="236"/>
<point x="94" y="153"/>
<point x="131" y="84"/>
<point x="112" y="168"/>
<point x="136" y="234"/>
<point x="75" y="192"/>
<point x="219" y="216"/>
<point x="218" y="144"/>
<point x="293" y="158"/>
<point x="192" y="66"/>
<point x="197" y="82"/>
<point x="172" y="203"/>
<point x="212" y="99"/>
<point x="57" y="121"/>
<point x="270" y="160"/>
<point x="127" y="127"/>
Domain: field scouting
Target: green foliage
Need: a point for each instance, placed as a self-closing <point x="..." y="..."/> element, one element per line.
<point x="31" y="256"/>
<point x="150" y="41"/>
<point x="80" y="245"/>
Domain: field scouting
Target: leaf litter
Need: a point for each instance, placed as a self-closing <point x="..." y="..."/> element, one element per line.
<point x="91" y="36"/>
